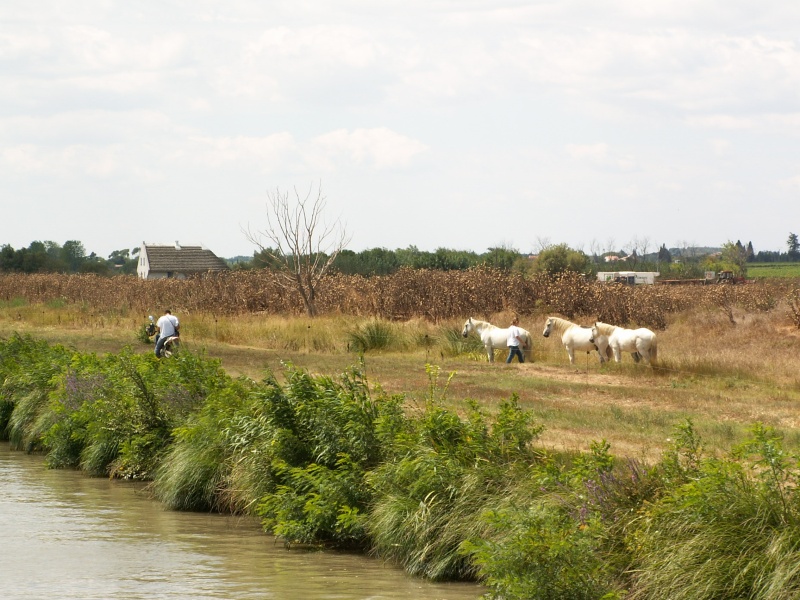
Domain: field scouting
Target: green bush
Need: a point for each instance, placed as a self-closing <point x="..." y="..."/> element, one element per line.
<point x="327" y="435"/>
<point x="447" y="471"/>
<point x="731" y="532"/>
<point x="446" y="494"/>
<point x="195" y="470"/>
<point x="27" y="369"/>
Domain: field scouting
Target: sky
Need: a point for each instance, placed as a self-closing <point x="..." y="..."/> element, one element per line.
<point x="467" y="124"/>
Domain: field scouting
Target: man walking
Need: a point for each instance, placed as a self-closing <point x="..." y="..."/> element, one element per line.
<point x="515" y="341"/>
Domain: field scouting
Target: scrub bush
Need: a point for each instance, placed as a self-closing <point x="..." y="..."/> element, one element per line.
<point x="27" y="369"/>
<point x="446" y="472"/>
<point x="733" y="531"/>
<point x="326" y="435"/>
<point x="114" y="415"/>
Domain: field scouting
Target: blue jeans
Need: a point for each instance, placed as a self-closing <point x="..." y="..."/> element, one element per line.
<point x="160" y="341"/>
<point x="514" y="351"/>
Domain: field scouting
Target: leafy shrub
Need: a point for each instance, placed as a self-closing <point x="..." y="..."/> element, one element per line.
<point x="735" y="529"/>
<point x="27" y="369"/>
<point x="193" y="472"/>
<point x="455" y="344"/>
<point x="335" y="432"/>
<point x="446" y="472"/>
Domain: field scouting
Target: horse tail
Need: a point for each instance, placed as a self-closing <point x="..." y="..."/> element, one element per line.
<point x="528" y="349"/>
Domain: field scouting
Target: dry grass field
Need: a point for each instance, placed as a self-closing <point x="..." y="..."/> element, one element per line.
<point x="728" y="356"/>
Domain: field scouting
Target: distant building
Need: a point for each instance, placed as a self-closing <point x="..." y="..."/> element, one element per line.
<point x="162" y="261"/>
<point x="628" y="277"/>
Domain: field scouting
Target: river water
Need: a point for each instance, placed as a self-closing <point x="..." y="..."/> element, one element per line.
<point x="64" y="535"/>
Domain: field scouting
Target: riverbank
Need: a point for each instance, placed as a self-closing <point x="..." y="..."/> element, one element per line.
<point x="443" y="487"/>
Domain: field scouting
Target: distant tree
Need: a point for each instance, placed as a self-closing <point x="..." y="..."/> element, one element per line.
<point x="73" y="254"/>
<point x="734" y="258"/>
<point x="121" y="261"/>
<point x="301" y="246"/>
<point x="501" y="258"/>
<point x="664" y="255"/>
<point x="37" y="258"/>
<point x="376" y="261"/>
<point x="769" y="256"/>
<point x="560" y="258"/>
<point x="415" y="258"/>
<point x="94" y="264"/>
<point x="749" y="252"/>
<point x="445" y="259"/>
<point x="793" y="244"/>
<point x="7" y="258"/>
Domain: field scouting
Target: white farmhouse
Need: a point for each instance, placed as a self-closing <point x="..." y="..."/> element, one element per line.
<point x="161" y="261"/>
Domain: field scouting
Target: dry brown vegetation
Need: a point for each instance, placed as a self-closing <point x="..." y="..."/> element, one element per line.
<point x="408" y="294"/>
<point x="728" y="355"/>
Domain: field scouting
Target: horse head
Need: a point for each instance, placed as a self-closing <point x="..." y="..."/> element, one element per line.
<point x="467" y="327"/>
<point x="595" y="333"/>
<point x="547" y="327"/>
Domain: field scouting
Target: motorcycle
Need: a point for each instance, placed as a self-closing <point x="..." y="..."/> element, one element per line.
<point x="172" y="344"/>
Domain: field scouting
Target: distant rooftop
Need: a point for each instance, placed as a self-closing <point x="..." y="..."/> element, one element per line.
<point x="186" y="259"/>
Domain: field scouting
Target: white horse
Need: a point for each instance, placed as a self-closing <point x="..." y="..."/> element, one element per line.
<point x="641" y="343"/>
<point x="496" y="337"/>
<point x="576" y="337"/>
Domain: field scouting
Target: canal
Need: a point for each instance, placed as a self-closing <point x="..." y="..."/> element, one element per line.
<point x="65" y="535"/>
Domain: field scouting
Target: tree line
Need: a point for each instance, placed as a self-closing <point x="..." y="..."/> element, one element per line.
<point x="72" y="257"/>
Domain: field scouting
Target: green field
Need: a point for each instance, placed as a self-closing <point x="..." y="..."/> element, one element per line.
<point x="765" y="270"/>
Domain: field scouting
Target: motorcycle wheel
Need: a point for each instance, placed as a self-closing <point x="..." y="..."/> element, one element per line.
<point x="171" y="347"/>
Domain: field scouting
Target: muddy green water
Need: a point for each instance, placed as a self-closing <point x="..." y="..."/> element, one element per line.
<point x="64" y="535"/>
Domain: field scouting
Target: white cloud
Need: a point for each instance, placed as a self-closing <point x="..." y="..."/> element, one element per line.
<point x="378" y="147"/>
<point x="267" y="153"/>
<point x="600" y="154"/>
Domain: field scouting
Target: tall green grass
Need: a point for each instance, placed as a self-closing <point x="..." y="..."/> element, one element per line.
<point x="373" y="335"/>
<point x="732" y="531"/>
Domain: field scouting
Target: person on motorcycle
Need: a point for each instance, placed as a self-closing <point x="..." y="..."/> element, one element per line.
<point x="167" y="326"/>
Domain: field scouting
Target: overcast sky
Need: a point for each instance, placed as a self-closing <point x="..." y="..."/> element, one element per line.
<point x="462" y="124"/>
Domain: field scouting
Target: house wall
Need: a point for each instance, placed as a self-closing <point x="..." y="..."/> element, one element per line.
<point x="143" y="268"/>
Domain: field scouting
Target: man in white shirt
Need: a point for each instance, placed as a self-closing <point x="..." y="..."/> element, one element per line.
<point x="167" y="326"/>
<point x="515" y="341"/>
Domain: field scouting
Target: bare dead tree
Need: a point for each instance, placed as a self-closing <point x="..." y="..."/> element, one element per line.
<point x="543" y="243"/>
<point x="595" y="249"/>
<point x="300" y="243"/>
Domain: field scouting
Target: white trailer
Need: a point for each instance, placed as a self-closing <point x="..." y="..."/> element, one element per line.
<point x="628" y="277"/>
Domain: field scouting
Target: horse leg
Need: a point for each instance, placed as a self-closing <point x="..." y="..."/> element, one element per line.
<point x="571" y="355"/>
<point x="636" y="356"/>
<point x="490" y="352"/>
<point x="617" y="354"/>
